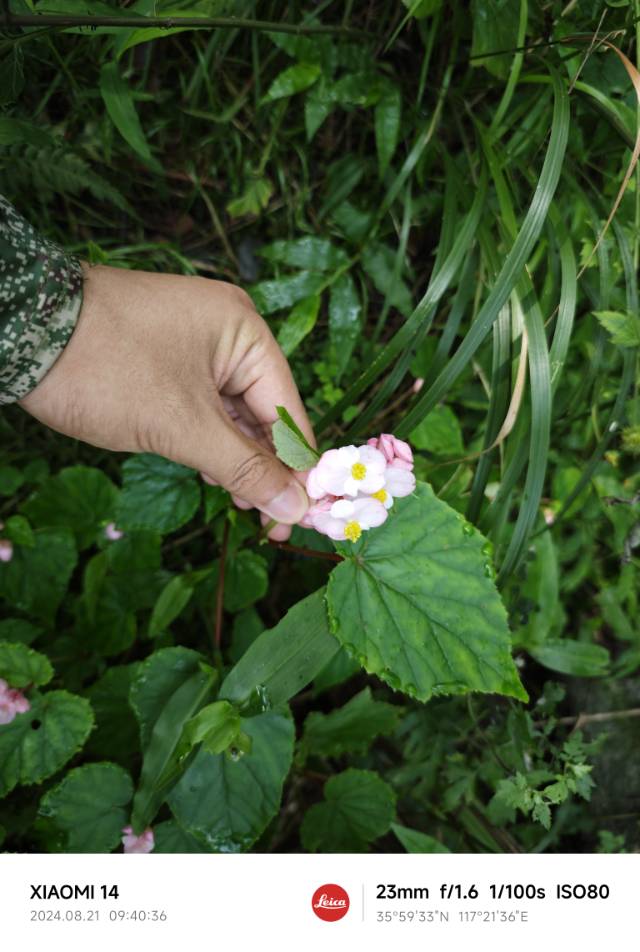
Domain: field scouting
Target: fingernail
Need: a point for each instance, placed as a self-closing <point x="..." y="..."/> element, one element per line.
<point x="289" y="506"/>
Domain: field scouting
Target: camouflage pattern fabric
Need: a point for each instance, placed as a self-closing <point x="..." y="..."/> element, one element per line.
<point x="40" y="299"/>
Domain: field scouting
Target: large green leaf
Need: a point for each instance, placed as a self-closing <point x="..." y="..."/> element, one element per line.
<point x="79" y="497"/>
<point x="415" y="602"/>
<point x="281" y="293"/>
<point x="359" y="806"/>
<point x="17" y="629"/>
<point x="37" y="744"/>
<point x="157" y="494"/>
<point x="228" y="802"/>
<point x="90" y="806"/>
<point x="36" y="578"/>
<point x="283" y="660"/>
<point x="350" y="728"/>
<point x="20" y="666"/>
<point x="171" y="838"/>
<point x="116" y="736"/>
<point x="173" y="598"/>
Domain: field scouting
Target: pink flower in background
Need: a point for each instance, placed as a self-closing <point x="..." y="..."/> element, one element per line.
<point x="323" y="505"/>
<point x="348" y="518"/>
<point x="418" y="384"/>
<point x="112" y="532"/>
<point x="347" y="472"/>
<point x="12" y="702"/>
<point x="138" y="844"/>
<point x="6" y="550"/>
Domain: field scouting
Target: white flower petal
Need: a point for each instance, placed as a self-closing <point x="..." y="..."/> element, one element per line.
<point x="342" y="509"/>
<point x="369" y="512"/>
<point x="399" y="482"/>
<point x="372" y="458"/>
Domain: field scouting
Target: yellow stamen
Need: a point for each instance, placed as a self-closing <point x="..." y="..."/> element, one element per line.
<point x="358" y="470"/>
<point x="381" y="495"/>
<point x="352" y="531"/>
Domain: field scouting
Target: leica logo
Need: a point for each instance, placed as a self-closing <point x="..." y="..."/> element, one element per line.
<point x="330" y="902"/>
<point x="326" y="902"/>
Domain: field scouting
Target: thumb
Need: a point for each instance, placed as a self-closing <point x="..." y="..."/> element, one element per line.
<point x="247" y="469"/>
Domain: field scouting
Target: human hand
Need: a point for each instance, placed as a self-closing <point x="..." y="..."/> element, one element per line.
<point x="183" y="367"/>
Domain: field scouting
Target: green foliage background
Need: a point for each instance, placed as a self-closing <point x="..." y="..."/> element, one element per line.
<point x="399" y="205"/>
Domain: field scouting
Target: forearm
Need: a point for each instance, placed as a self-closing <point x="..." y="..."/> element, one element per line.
<point x="40" y="299"/>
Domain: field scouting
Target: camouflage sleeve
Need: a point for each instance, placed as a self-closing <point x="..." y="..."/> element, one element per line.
<point x="40" y="298"/>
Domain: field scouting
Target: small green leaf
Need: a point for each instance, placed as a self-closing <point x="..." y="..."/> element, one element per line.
<point x="282" y="293"/>
<point x="80" y="497"/>
<point x="416" y="842"/>
<point x="228" y="802"/>
<point x="292" y="446"/>
<point x="358" y="808"/>
<point x="292" y="80"/>
<point x="21" y="666"/>
<point x="350" y="728"/>
<point x="38" y="743"/>
<point x="91" y="807"/>
<point x="157" y="494"/>
<point x="173" y="598"/>
<point x="122" y="112"/>
<point x="215" y="726"/>
<point x="577" y="658"/>
<point x="309" y="253"/>
<point x="378" y="261"/>
<point x="252" y="201"/>
<point x="345" y="320"/>
<point x="416" y="603"/>
<point x="624" y="329"/>
<point x="298" y="324"/>
<point x="387" y="125"/>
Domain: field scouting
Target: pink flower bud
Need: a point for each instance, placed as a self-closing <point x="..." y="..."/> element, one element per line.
<point x="6" y="550"/>
<point x="138" y="844"/>
<point x="418" y="384"/>
<point x="385" y="445"/>
<point x="112" y="532"/>
<point x="12" y="702"/>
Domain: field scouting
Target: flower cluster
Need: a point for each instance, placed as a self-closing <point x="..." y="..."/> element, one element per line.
<point x="12" y="702"/>
<point x="137" y="844"/>
<point x="354" y="486"/>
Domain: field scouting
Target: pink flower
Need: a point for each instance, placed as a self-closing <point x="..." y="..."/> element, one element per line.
<point x="323" y="505"/>
<point x="418" y="384"/>
<point x="6" y="550"/>
<point x="347" y="471"/>
<point x="12" y="702"/>
<point x="112" y="532"/>
<point x="138" y="844"/>
<point x="393" y="449"/>
<point x="348" y="518"/>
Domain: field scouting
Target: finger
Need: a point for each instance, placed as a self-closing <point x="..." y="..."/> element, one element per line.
<point x="276" y="387"/>
<point x="245" y="468"/>
<point x="279" y="532"/>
